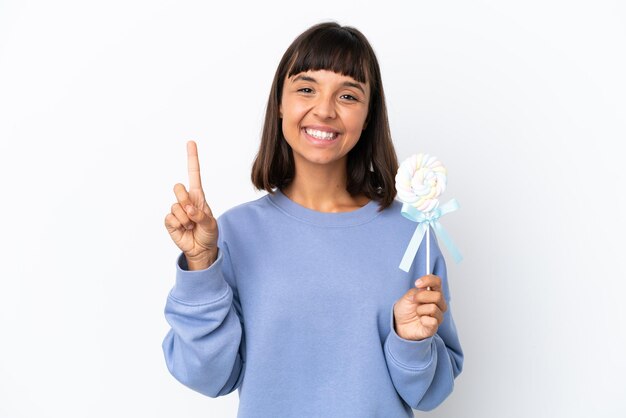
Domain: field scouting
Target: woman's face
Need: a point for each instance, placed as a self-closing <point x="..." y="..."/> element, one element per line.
<point x="323" y="115"/>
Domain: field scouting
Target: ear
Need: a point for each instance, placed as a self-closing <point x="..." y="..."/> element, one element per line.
<point x="280" y="111"/>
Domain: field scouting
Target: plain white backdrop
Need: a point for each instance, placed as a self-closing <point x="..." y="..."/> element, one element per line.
<point x="523" y="101"/>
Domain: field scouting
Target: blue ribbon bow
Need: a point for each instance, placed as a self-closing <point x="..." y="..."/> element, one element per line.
<point x="423" y="222"/>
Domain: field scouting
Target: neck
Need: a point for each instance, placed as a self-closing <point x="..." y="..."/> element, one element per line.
<point x="323" y="188"/>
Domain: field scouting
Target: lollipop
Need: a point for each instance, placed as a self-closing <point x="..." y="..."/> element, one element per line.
<point x="420" y="180"/>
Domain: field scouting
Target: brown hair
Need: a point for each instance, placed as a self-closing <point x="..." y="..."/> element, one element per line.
<point x="372" y="163"/>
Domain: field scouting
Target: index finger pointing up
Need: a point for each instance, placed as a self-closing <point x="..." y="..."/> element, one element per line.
<point x="193" y="166"/>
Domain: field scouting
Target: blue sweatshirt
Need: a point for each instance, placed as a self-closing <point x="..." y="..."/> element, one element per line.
<point x="297" y="314"/>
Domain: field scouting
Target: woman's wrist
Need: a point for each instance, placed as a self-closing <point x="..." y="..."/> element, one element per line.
<point x="201" y="262"/>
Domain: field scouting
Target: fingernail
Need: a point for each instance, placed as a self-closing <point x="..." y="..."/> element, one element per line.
<point x="190" y="226"/>
<point x="189" y="209"/>
<point x="418" y="282"/>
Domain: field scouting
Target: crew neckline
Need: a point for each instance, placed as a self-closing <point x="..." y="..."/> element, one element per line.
<point x="304" y="214"/>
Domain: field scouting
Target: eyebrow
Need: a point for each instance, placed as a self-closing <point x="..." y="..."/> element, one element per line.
<point x="345" y="83"/>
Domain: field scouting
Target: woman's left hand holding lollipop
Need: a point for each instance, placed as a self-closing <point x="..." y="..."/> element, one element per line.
<point x="419" y="312"/>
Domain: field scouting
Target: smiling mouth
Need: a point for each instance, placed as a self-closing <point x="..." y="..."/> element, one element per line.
<point x="322" y="135"/>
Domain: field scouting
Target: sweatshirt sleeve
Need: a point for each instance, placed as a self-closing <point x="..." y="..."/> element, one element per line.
<point x="205" y="347"/>
<point x="423" y="372"/>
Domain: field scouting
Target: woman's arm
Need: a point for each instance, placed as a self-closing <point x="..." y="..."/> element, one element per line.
<point x="205" y="347"/>
<point x="423" y="372"/>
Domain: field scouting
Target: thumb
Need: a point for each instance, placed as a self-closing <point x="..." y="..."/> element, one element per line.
<point x="195" y="215"/>
<point x="407" y="301"/>
<point x="410" y="295"/>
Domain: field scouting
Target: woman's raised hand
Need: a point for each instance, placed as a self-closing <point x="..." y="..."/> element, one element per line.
<point x="191" y="223"/>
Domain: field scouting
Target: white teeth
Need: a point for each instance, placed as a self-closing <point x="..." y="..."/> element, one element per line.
<point x="321" y="134"/>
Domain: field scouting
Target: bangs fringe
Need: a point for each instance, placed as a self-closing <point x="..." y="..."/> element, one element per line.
<point x="333" y="50"/>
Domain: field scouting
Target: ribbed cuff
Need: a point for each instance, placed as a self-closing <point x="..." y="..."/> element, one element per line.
<point x="410" y="354"/>
<point x="199" y="286"/>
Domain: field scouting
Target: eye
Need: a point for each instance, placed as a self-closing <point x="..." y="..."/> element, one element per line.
<point x="305" y="90"/>
<point x="349" y="97"/>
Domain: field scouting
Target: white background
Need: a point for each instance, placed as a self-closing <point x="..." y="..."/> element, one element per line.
<point x="523" y="101"/>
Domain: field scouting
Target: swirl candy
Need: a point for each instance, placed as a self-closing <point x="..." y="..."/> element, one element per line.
<point x="420" y="180"/>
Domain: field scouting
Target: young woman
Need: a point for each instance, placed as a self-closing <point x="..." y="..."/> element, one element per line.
<point x="296" y="298"/>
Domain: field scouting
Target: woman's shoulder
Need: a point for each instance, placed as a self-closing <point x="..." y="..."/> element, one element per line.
<point x="246" y="209"/>
<point x="393" y="214"/>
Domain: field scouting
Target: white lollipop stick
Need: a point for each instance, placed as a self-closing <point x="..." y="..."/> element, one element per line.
<point x="428" y="252"/>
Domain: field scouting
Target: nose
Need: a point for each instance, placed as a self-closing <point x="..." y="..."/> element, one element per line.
<point x="325" y="107"/>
